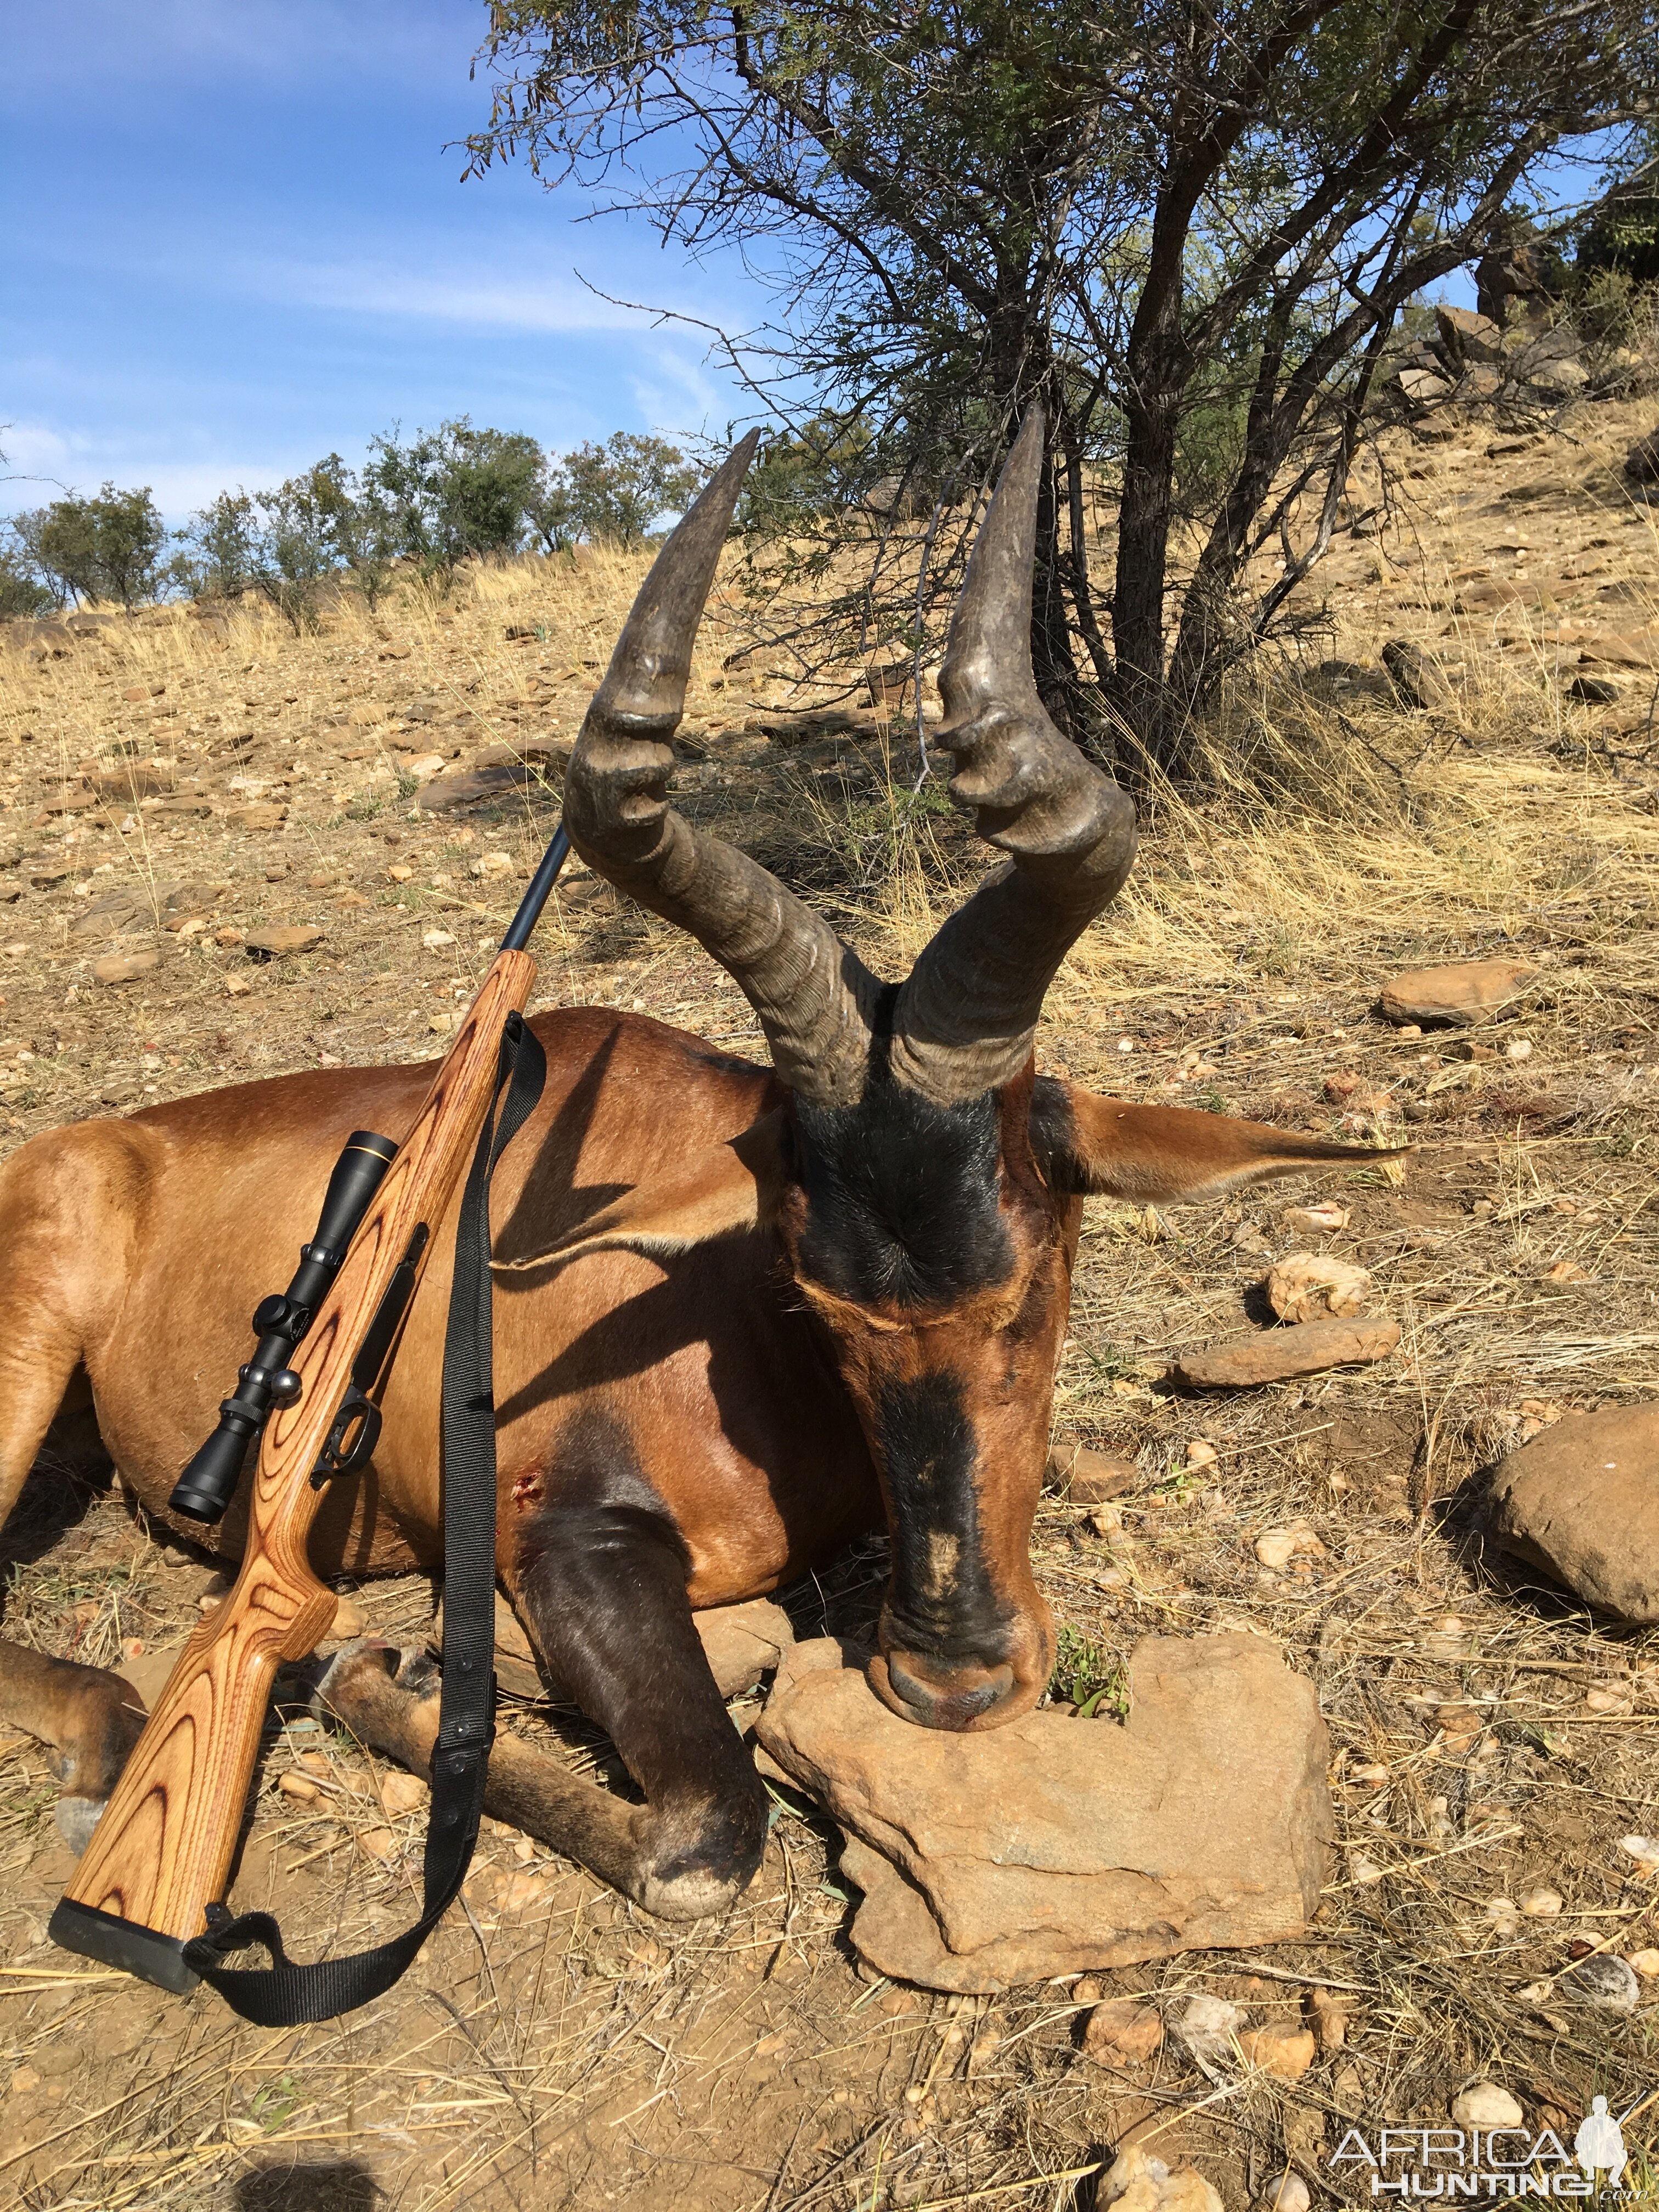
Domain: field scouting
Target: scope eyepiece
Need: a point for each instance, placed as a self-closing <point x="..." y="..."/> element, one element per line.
<point x="204" y="1489"/>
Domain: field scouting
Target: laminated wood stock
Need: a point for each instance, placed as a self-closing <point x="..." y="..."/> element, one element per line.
<point x="161" y="1853"/>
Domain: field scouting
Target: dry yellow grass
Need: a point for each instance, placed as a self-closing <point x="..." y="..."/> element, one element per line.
<point x="554" y="2047"/>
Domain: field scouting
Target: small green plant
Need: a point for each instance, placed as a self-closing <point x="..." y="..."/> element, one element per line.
<point x="275" y="2102"/>
<point x="1086" y="1677"/>
<point x="1109" y="1363"/>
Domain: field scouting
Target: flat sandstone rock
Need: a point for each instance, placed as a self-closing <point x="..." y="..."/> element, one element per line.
<point x="289" y="937"/>
<point x="1582" y="1501"/>
<point x="1279" y="1355"/>
<point x="1465" y="995"/>
<point x="1055" y="1844"/>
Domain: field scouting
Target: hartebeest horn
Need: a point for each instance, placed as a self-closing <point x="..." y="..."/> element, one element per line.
<point x="965" y="1020"/>
<point x="814" y="998"/>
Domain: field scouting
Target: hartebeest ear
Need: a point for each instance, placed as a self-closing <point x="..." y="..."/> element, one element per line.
<point x="1106" y="1148"/>
<point x="730" y="1187"/>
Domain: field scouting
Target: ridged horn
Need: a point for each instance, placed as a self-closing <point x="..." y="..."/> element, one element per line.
<point x="814" y="997"/>
<point x="964" y="1022"/>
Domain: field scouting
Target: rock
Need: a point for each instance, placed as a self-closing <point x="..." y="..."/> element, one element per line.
<point x="1276" y="1548"/>
<point x="1286" y="2052"/>
<point x="1469" y="336"/>
<point x="742" y="1642"/>
<point x="1121" y="2032"/>
<point x="1280" y="1355"/>
<point x="437" y="940"/>
<point x="1641" y="462"/>
<point x="148" y="1672"/>
<point x="1286" y="2192"/>
<point x="1052" y="1845"/>
<point x="110" y="913"/>
<point x="376" y="1843"/>
<point x="1644" y="1850"/>
<point x="1645" y="1963"/>
<point x="291" y="937"/>
<point x="1604" y="1983"/>
<point x="1312" y="1286"/>
<point x="1484" y="2105"/>
<point x="1136" y="2181"/>
<point x="1594" y="691"/>
<point x="300" y="1788"/>
<point x="1560" y="378"/>
<point x="1325" y="1219"/>
<point x="1209" y="2027"/>
<point x="136" y="780"/>
<point x="1086" y="1477"/>
<point x="1330" y="2020"/>
<point x="1582" y="1501"/>
<point x="349" y="1620"/>
<point x="1564" y="1270"/>
<point x="1417" y="680"/>
<point x="445" y="793"/>
<point x="125" y="967"/>
<point x="1542" y="1904"/>
<point x="403" y="1793"/>
<point x="1423" y="385"/>
<point x="1462" y="995"/>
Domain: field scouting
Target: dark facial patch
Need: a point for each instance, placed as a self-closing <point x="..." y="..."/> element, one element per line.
<point x="901" y="1197"/>
<point x="942" y="1602"/>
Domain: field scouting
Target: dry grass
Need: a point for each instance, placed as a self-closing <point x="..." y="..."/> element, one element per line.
<point x="553" y="2046"/>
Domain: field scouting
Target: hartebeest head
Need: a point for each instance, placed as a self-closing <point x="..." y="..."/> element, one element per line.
<point x="924" y="1183"/>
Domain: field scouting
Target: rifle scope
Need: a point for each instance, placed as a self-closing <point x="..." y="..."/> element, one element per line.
<point x="204" y="1489"/>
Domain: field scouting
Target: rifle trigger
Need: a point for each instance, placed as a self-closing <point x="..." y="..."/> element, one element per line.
<point x="351" y="1440"/>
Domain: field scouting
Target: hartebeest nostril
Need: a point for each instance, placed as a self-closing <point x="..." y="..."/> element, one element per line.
<point x="955" y="1702"/>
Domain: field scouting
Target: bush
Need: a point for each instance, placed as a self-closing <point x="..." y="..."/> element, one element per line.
<point x="455" y="494"/>
<point x="106" y="548"/>
<point x="616" y="492"/>
<point x="23" y="590"/>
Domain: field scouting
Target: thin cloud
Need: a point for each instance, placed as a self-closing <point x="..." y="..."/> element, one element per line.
<point x="545" y="302"/>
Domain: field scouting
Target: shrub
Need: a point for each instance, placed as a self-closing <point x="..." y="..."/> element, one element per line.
<point x="105" y="548"/>
<point x="455" y="494"/>
<point x="616" y="491"/>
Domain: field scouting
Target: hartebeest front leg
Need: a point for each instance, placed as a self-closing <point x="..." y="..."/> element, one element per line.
<point x="603" y="1588"/>
<point x="602" y="1583"/>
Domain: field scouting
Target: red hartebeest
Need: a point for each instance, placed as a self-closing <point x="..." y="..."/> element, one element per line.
<point x="742" y="1314"/>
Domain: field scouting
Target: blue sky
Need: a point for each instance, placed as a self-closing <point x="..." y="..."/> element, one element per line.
<point x="231" y="239"/>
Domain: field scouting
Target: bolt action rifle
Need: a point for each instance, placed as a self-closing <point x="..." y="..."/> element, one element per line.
<point x="146" y="1896"/>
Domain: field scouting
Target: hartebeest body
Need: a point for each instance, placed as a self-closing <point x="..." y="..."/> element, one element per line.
<point x="741" y="1316"/>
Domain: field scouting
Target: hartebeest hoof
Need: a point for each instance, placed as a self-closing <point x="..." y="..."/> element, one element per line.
<point x="89" y="1719"/>
<point x="680" y="1863"/>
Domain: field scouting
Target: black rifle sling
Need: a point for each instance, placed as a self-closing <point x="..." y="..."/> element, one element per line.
<point x="285" y="1994"/>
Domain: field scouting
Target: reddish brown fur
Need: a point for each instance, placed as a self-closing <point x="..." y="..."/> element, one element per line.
<point x="745" y="1403"/>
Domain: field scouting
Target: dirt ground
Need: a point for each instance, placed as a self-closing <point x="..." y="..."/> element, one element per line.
<point x="174" y="783"/>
